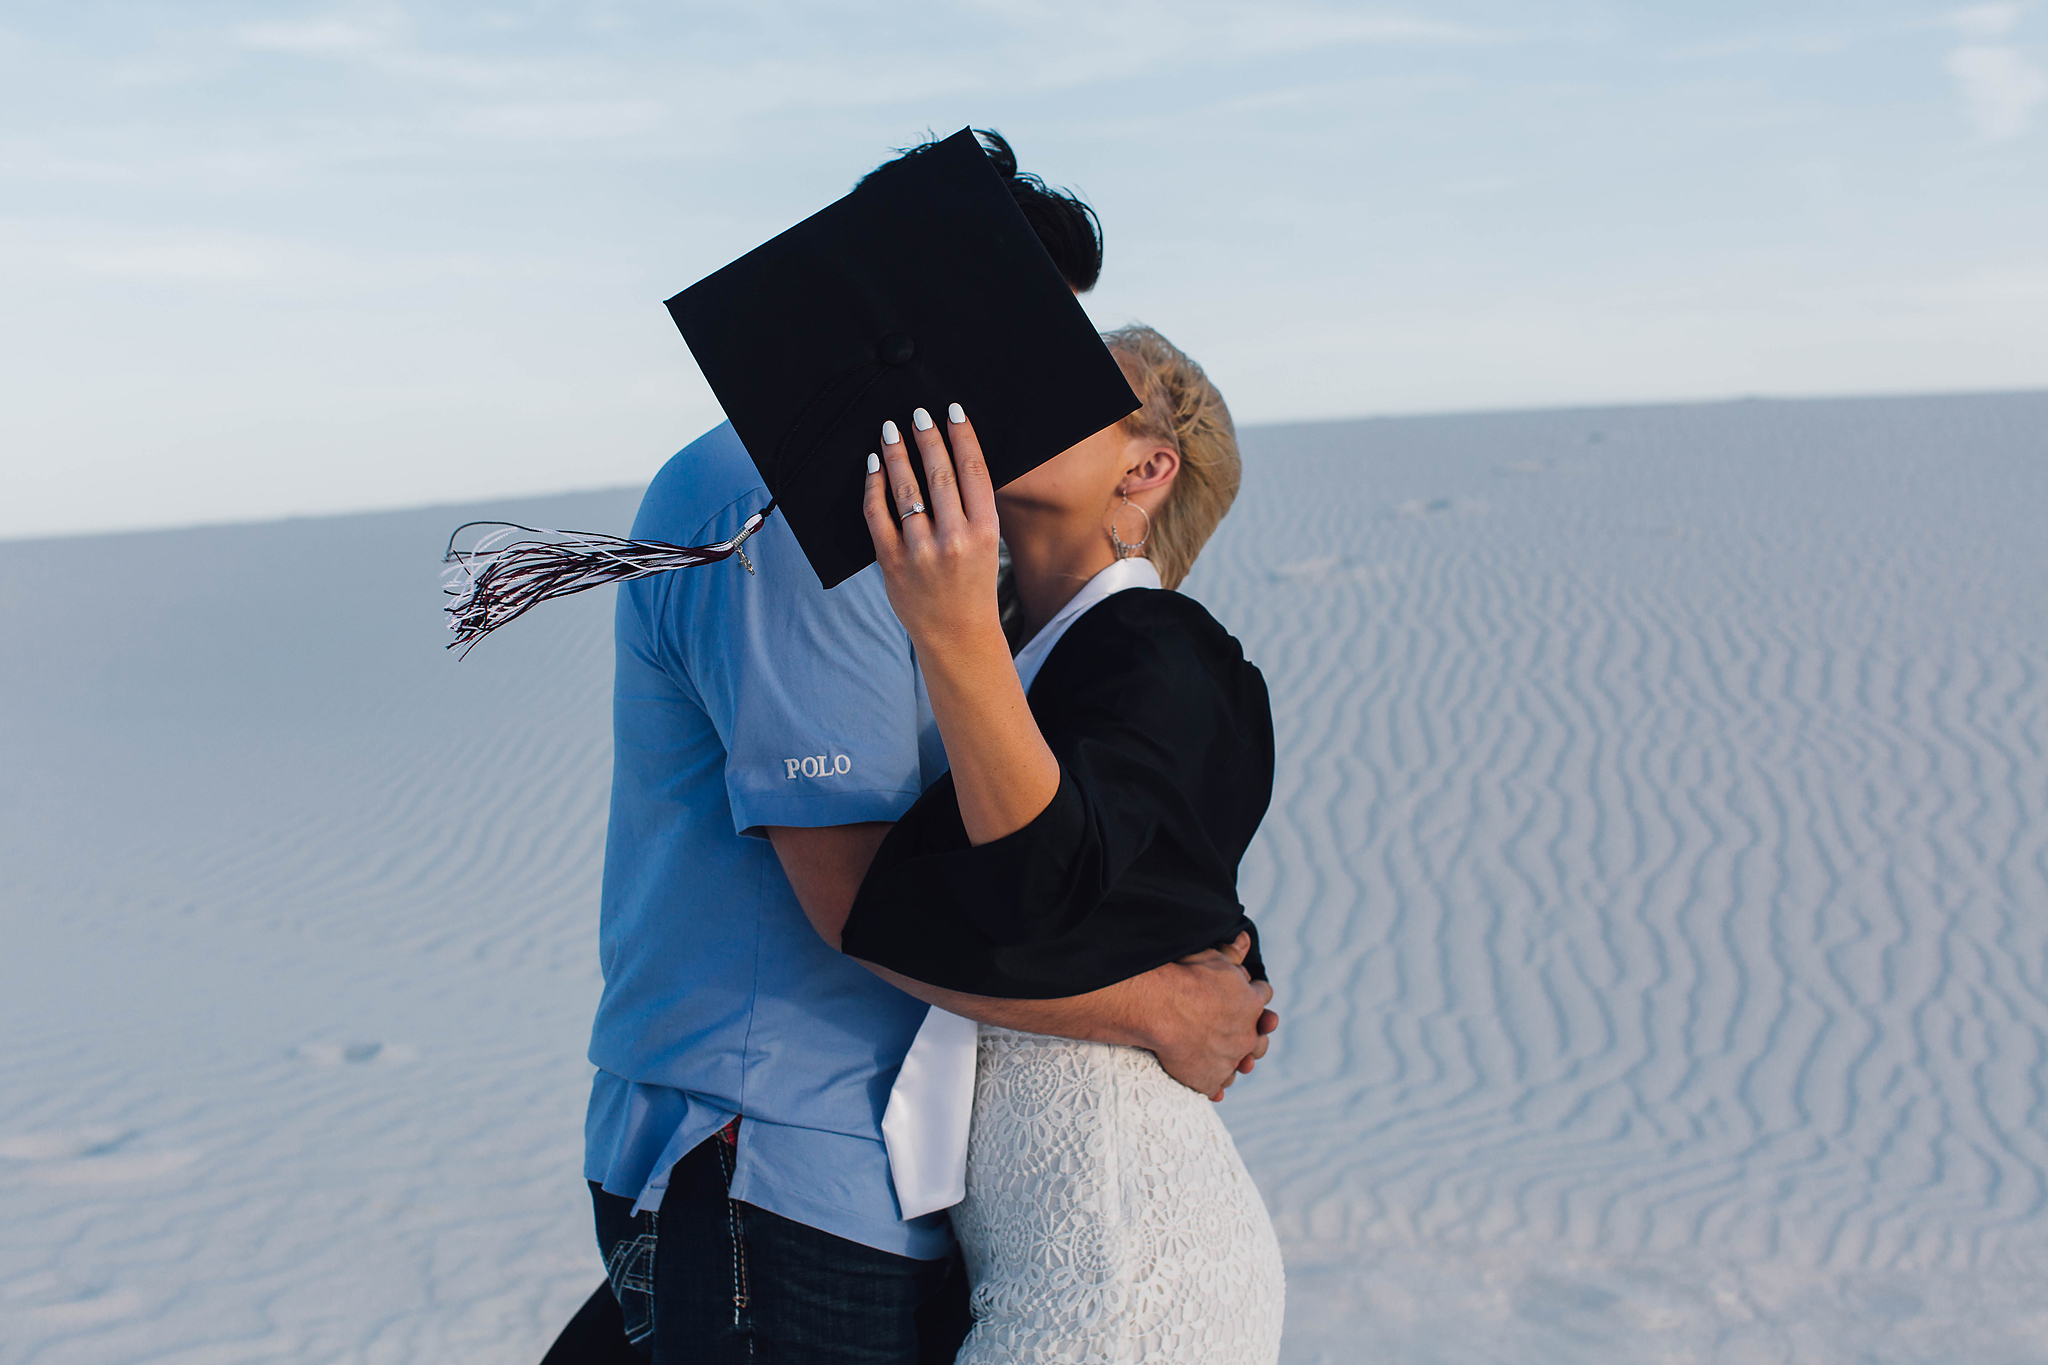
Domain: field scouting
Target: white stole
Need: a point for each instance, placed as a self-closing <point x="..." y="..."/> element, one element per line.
<point x="925" y="1125"/>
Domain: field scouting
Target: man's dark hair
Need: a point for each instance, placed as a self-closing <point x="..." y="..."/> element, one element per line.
<point x="1064" y="222"/>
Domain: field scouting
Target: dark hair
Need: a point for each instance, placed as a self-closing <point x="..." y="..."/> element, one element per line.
<point x="1064" y="222"/>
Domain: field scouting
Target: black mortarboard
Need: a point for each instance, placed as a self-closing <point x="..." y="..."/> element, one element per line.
<point x="923" y="287"/>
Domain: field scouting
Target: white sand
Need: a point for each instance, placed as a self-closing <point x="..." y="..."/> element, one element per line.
<point x="1657" y="884"/>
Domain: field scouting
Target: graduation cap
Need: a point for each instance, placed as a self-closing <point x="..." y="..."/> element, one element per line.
<point x="923" y="287"/>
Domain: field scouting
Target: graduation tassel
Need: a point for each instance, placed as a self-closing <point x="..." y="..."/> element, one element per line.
<point x="493" y="582"/>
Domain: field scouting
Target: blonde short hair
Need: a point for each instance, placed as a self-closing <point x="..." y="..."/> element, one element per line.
<point x="1182" y="410"/>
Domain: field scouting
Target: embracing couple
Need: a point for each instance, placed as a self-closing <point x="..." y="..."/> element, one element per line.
<point x="834" y="811"/>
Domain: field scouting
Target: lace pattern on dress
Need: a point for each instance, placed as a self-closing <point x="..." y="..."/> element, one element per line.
<point x="1109" y="1219"/>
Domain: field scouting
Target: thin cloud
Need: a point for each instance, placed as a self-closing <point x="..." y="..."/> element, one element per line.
<point x="1800" y="43"/>
<point x="2000" y="89"/>
<point x="385" y="43"/>
<point x="1303" y="29"/>
<point x="175" y="261"/>
<point x="565" y="119"/>
<point x="1987" y="21"/>
<point x="1274" y="28"/>
<point x="1378" y="91"/>
<point x="313" y="37"/>
<point x="1096" y="43"/>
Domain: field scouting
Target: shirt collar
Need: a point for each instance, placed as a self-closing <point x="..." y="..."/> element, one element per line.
<point x="1124" y="573"/>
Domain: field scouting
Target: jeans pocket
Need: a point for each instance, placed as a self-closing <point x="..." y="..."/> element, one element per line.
<point x="630" y="1268"/>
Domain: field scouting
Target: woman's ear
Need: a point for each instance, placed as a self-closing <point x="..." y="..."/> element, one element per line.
<point x="1156" y="468"/>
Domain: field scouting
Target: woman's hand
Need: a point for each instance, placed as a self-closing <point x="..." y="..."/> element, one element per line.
<point x="939" y="563"/>
<point x="940" y="568"/>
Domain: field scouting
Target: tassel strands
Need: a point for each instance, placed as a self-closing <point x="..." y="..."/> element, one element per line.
<point x="494" y="582"/>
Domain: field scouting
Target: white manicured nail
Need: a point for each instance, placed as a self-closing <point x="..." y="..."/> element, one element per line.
<point x="955" y="414"/>
<point x="890" y="435"/>
<point x="874" y="464"/>
<point x="921" y="419"/>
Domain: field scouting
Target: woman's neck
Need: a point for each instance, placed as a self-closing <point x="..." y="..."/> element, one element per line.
<point x="1052" y="557"/>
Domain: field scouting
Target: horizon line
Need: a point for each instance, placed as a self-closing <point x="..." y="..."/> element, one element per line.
<point x="1439" y="414"/>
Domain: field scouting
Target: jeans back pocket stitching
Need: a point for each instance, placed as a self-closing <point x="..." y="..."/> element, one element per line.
<point x="630" y="1268"/>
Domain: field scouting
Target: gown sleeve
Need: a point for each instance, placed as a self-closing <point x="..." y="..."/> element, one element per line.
<point x="1164" y="737"/>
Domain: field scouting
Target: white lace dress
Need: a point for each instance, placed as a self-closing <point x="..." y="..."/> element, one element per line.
<point x="1108" y="1218"/>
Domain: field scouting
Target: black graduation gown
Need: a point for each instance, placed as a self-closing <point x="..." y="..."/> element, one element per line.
<point x="1164" y="736"/>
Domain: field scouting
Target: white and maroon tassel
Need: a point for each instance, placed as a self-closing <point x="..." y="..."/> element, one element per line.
<point x="493" y="582"/>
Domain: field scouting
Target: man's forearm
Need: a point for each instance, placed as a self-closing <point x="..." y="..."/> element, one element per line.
<point x="824" y="865"/>
<point x="1203" y="1017"/>
<point x="1115" y="1014"/>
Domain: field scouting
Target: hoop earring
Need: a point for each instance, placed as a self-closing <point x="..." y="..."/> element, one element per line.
<point x="1123" y="550"/>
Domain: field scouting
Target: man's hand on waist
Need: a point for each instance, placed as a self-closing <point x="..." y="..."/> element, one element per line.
<point x="1208" y="1020"/>
<point x="1204" y="1017"/>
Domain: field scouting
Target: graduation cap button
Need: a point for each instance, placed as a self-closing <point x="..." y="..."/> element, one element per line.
<point x="895" y="349"/>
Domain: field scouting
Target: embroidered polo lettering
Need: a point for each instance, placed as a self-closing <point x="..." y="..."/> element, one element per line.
<point x="817" y="765"/>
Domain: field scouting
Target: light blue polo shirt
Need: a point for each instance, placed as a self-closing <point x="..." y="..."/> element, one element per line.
<point x="743" y="701"/>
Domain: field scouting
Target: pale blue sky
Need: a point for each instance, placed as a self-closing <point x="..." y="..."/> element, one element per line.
<point x="261" y="259"/>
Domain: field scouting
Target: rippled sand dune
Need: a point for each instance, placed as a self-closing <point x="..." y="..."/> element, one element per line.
<point x="1657" y="886"/>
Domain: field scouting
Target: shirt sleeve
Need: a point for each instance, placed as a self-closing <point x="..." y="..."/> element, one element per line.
<point x="1164" y="738"/>
<point x="813" y="693"/>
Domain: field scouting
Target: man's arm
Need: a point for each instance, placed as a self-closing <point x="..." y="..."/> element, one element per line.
<point x="825" y="866"/>
<point x="1203" y="1016"/>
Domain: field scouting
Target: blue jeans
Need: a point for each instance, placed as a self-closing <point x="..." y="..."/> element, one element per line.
<point x="710" y="1279"/>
